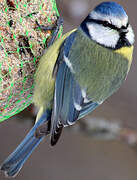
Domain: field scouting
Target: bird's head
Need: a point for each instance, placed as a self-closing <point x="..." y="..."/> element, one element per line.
<point x="109" y="26"/>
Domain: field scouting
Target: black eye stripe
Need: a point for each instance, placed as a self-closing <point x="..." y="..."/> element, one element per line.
<point x="105" y="24"/>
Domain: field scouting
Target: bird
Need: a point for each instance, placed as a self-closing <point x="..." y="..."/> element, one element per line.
<point x="77" y="74"/>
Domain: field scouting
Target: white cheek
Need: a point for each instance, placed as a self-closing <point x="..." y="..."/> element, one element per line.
<point x="103" y="35"/>
<point x="130" y="35"/>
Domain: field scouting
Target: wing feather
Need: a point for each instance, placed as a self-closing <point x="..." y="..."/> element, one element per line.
<point x="68" y="99"/>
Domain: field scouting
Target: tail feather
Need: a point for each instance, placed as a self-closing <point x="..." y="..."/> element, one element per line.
<point x="16" y="160"/>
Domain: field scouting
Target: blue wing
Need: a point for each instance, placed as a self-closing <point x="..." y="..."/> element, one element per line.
<point x="68" y="100"/>
<point x="87" y="108"/>
<point x="66" y="97"/>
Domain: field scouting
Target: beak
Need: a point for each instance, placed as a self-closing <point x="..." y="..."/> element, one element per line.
<point x="123" y="30"/>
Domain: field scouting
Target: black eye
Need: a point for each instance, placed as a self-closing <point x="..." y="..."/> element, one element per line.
<point x="105" y="23"/>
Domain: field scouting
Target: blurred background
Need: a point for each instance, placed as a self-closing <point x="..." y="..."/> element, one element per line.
<point x="84" y="151"/>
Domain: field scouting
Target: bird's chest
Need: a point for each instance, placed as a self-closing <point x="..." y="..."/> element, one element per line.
<point x="98" y="70"/>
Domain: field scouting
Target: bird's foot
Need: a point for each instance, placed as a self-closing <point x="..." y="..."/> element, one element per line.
<point x="42" y="130"/>
<point x="54" y="27"/>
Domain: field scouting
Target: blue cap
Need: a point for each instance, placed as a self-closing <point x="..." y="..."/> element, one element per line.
<point x="110" y="8"/>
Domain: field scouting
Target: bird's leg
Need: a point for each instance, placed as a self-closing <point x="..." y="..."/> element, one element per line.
<point x="43" y="130"/>
<point x="55" y="28"/>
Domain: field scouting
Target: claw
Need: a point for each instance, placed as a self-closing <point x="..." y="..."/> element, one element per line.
<point x="55" y="28"/>
<point x="42" y="130"/>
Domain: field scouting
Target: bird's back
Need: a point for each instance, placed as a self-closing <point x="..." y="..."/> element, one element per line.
<point x="104" y="68"/>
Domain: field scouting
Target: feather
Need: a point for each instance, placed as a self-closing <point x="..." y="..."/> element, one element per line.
<point x="67" y="94"/>
<point x="88" y="108"/>
<point x="44" y="81"/>
<point x="15" y="161"/>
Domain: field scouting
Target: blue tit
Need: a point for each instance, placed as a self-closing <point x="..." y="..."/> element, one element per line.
<point x="77" y="73"/>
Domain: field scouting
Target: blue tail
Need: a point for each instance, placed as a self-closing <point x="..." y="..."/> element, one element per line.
<point x="15" y="161"/>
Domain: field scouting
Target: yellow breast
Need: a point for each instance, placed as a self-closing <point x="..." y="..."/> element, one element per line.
<point x="127" y="52"/>
<point x="44" y="81"/>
